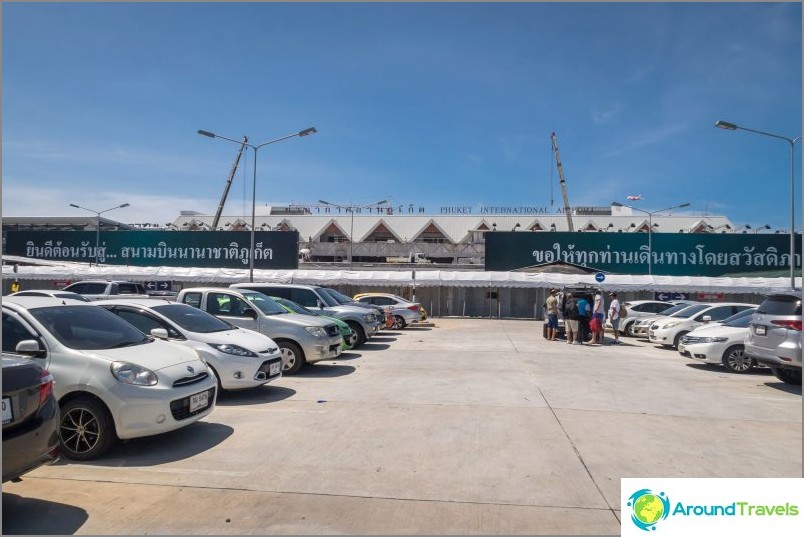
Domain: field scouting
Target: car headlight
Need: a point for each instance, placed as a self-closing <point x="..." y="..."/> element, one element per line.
<point x="228" y="348"/>
<point x="671" y="325"/>
<point x="713" y="339"/>
<point x="368" y="317"/>
<point x="316" y="331"/>
<point x="133" y="374"/>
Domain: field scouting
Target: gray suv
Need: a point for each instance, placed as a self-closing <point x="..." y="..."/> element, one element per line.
<point x="774" y="335"/>
<point x="365" y="323"/>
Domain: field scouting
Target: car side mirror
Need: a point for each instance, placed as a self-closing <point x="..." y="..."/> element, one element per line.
<point x="160" y="333"/>
<point x="319" y="304"/>
<point x="29" y="347"/>
<point x="706" y="318"/>
<point x="250" y="313"/>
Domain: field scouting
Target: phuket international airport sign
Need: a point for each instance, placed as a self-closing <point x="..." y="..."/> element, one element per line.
<point x="671" y="254"/>
<point x="205" y="249"/>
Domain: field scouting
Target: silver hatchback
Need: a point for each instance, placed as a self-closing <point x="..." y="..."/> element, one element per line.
<point x="774" y="335"/>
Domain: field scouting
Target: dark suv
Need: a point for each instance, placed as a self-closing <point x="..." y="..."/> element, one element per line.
<point x="774" y="335"/>
<point x="578" y="292"/>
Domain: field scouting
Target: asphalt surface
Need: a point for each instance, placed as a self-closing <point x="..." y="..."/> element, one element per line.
<point x="468" y="427"/>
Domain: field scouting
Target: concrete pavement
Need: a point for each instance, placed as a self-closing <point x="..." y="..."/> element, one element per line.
<point x="470" y="427"/>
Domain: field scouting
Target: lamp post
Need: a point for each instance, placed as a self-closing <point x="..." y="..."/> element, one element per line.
<point x="255" y="147"/>
<point x="351" y="209"/>
<point x="97" y="227"/>
<point x="792" y="141"/>
<point x="650" y="227"/>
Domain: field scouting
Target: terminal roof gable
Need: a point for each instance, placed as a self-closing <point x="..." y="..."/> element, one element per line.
<point x="381" y="224"/>
<point x="642" y="227"/>
<point x="589" y="226"/>
<point x="431" y="223"/>
<point x="331" y="223"/>
<point x="701" y="226"/>
<point x="536" y="225"/>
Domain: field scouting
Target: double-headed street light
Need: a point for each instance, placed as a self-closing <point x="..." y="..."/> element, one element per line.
<point x="650" y="227"/>
<point x="255" y="147"/>
<point x="97" y="227"/>
<point x="351" y="209"/>
<point x="792" y="141"/>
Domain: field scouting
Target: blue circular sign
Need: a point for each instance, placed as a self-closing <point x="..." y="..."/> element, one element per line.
<point x="599" y="277"/>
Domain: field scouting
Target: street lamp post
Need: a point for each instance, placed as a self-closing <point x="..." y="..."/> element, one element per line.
<point x="256" y="147"/>
<point x="792" y="141"/>
<point x="97" y="227"/>
<point x="650" y="227"/>
<point x="351" y="209"/>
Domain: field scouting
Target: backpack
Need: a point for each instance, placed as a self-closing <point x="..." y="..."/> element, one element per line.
<point x="623" y="312"/>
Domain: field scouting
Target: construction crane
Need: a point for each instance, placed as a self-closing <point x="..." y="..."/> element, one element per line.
<point x="229" y="184"/>
<point x="567" y="208"/>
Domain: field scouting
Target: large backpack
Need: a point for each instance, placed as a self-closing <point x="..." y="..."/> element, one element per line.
<point x="623" y="312"/>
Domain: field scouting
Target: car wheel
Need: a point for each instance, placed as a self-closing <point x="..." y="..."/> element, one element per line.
<point x="678" y="337"/>
<point x="629" y="329"/>
<point x="361" y="335"/>
<point x="218" y="377"/>
<point x="787" y="375"/>
<point x="736" y="360"/>
<point x="292" y="357"/>
<point x="86" y="429"/>
<point x="399" y="322"/>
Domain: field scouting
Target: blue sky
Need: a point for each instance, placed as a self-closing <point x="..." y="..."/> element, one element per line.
<point x="419" y="103"/>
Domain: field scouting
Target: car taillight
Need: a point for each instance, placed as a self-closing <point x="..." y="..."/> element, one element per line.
<point x="795" y="325"/>
<point x="45" y="386"/>
<point x="413" y="308"/>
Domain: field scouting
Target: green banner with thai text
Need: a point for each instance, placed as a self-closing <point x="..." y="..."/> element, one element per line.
<point x="661" y="254"/>
<point x="203" y="249"/>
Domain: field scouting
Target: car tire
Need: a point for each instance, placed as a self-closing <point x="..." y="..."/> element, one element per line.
<point x="736" y="361"/>
<point x="399" y="322"/>
<point x="86" y="429"/>
<point x="217" y="377"/>
<point x="292" y="357"/>
<point x="788" y="376"/>
<point x="361" y="334"/>
<point x="628" y="329"/>
<point x="678" y="337"/>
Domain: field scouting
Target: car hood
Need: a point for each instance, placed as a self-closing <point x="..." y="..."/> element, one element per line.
<point x="249" y="339"/>
<point x="302" y="320"/>
<point x="155" y="355"/>
<point x="719" y="331"/>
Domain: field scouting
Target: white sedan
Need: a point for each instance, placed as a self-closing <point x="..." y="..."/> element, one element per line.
<point x="239" y="357"/>
<point x="720" y="344"/>
<point x="112" y="381"/>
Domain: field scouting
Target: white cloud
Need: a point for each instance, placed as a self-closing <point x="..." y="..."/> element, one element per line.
<point x="606" y="115"/>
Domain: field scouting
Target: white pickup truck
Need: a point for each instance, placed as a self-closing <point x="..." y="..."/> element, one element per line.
<point x="102" y="290"/>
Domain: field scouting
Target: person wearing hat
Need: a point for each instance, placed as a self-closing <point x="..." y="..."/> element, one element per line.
<point x="614" y="317"/>
<point x="571" y="319"/>
<point x="598" y="313"/>
<point x="551" y="306"/>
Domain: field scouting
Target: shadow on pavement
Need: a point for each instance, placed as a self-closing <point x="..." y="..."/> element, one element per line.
<point x="717" y="368"/>
<point x="322" y="370"/>
<point x="382" y="339"/>
<point x="371" y="346"/>
<point x="418" y="328"/>
<point x="173" y="446"/>
<point x="348" y="355"/>
<point x="255" y="396"/>
<point x="784" y="387"/>
<point x="31" y="516"/>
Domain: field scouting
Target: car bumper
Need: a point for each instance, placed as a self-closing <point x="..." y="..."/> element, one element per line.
<point x="323" y="349"/>
<point x="148" y="410"/>
<point x="33" y="445"/>
<point x="661" y="336"/>
<point x="710" y="353"/>
<point x="787" y="355"/>
<point x="243" y="372"/>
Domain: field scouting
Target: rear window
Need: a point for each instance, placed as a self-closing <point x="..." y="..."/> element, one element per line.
<point x="780" y="305"/>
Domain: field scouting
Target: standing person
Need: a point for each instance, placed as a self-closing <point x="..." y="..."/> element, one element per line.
<point x="571" y="318"/>
<point x="599" y="313"/>
<point x="614" y="317"/>
<point x="552" y="315"/>
<point x="584" y="310"/>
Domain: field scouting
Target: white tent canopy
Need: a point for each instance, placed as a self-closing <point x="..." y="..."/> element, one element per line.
<point x="422" y="278"/>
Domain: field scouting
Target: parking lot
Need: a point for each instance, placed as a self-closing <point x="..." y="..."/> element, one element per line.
<point x="473" y="426"/>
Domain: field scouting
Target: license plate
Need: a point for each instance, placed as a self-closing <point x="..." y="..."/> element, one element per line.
<point x="760" y="330"/>
<point x="274" y="369"/>
<point x="8" y="415"/>
<point x="198" y="401"/>
<point x="338" y="350"/>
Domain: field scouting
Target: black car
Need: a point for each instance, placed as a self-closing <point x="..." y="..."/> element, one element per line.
<point x="30" y="417"/>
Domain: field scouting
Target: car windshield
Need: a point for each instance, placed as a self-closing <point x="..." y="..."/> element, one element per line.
<point x="193" y="319"/>
<point x="264" y="303"/>
<point x="336" y="296"/>
<point x="692" y="310"/>
<point x="739" y="322"/>
<point x="675" y="309"/>
<point x="739" y="315"/>
<point x="88" y="327"/>
<point x="293" y="306"/>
